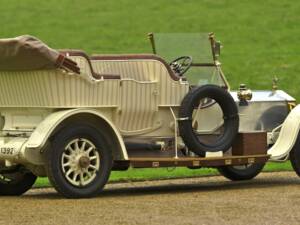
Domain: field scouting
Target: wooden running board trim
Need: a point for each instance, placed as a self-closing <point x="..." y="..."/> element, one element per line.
<point x="196" y="161"/>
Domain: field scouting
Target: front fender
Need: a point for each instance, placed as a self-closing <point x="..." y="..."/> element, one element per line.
<point x="44" y="130"/>
<point x="287" y="136"/>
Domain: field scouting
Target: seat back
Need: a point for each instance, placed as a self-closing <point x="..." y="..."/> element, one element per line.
<point x="142" y="67"/>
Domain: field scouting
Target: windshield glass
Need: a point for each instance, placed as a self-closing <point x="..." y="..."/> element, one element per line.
<point x="204" y="69"/>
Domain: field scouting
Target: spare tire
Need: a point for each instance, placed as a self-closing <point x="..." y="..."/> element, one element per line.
<point x="230" y="116"/>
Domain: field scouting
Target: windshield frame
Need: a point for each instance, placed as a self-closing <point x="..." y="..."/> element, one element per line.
<point x="215" y="52"/>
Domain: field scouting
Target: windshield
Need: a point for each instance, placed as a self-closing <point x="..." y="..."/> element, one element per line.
<point x="205" y="69"/>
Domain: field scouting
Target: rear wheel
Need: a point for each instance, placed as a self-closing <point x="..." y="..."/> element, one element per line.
<point x="242" y="172"/>
<point x="80" y="161"/>
<point x="16" y="182"/>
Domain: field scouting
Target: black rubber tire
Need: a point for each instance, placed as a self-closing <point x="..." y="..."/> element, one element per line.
<point x="54" y="170"/>
<point x="23" y="182"/>
<point x="295" y="156"/>
<point x="230" y="113"/>
<point x="235" y="174"/>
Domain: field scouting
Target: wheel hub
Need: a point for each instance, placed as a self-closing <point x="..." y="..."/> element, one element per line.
<point x="84" y="162"/>
<point x="80" y="162"/>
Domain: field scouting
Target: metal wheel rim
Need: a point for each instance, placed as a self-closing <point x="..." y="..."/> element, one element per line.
<point x="80" y="162"/>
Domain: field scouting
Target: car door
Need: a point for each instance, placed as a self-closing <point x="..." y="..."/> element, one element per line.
<point x="138" y="107"/>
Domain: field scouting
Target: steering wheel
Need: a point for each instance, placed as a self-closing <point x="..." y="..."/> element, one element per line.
<point x="181" y="64"/>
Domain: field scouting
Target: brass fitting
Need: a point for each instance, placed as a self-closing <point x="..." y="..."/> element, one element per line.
<point x="291" y="105"/>
<point x="274" y="84"/>
<point x="244" y="94"/>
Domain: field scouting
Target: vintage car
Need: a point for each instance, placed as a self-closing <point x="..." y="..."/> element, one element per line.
<point x="74" y="118"/>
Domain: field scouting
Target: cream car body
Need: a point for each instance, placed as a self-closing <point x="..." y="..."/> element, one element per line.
<point x="131" y="97"/>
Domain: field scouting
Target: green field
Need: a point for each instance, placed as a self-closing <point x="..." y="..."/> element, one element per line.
<point x="260" y="38"/>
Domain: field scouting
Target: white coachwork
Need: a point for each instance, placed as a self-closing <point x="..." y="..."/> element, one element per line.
<point x="137" y="104"/>
<point x="85" y="116"/>
<point x="287" y="136"/>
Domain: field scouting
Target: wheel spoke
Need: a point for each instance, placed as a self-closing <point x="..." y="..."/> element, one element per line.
<point x="75" y="175"/>
<point x="66" y="164"/>
<point x="66" y="156"/>
<point x="70" y="149"/>
<point x="83" y="146"/>
<point x="69" y="172"/>
<point x="93" y="157"/>
<point x="89" y="149"/>
<point x="93" y="167"/>
<point x="81" y="179"/>
<point x="88" y="174"/>
<point x="77" y="146"/>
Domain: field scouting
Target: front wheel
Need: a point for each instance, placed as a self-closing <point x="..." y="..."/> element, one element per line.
<point x="295" y="156"/>
<point x="16" y="182"/>
<point x="80" y="161"/>
<point x="243" y="172"/>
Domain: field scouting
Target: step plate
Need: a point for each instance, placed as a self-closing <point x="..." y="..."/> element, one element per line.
<point x="196" y="161"/>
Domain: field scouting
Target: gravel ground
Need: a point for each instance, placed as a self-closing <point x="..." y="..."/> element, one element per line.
<point x="271" y="198"/>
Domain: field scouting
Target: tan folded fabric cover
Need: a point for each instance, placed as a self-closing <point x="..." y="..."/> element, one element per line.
<point x="27" y="53"/>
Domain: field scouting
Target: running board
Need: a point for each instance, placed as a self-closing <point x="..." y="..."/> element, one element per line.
<point x="196" y="161"/>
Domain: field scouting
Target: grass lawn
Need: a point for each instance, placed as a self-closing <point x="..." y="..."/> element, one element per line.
<point x="167" y="173"/>
<point x="261" y="39"/>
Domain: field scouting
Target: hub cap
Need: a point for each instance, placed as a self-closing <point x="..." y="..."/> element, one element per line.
<point x="80" y="162"/>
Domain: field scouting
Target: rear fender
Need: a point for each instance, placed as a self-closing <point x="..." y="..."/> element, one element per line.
<point x="48" y="126"/>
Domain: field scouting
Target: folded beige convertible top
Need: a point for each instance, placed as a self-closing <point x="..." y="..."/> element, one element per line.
<point x="29" y="53"/>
